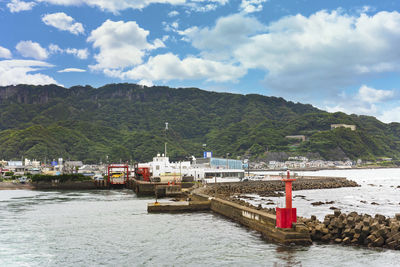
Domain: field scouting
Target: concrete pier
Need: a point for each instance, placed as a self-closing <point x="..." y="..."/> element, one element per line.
<point x="255" y="219"/>
<point x="262" y="222"/>
<point x="144" y="188"/>
<point x="179" y="206"/>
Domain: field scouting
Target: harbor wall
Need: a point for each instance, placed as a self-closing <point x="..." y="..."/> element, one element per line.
<point x="260" y="221"/>
<point x="69" y="185"/>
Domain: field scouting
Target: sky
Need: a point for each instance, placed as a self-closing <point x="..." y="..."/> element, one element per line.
<point x="338" y="55"/>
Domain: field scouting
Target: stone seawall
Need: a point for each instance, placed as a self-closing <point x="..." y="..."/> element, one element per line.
<point x="275" y="187"/>
<point x="356" y="229"/>
<point x="15" y="186"/>
<point x="69" y="185"/>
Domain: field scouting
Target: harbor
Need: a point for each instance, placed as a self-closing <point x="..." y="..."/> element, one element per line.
<point x="47" y="225"/>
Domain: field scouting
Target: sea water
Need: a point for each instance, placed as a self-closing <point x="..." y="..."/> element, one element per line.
<point x="113" y="228"/>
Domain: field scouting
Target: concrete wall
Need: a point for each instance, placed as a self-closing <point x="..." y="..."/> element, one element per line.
<point x="259" y="220"/>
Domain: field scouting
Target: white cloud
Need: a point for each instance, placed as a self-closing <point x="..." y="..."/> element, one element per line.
<point x="63" y="22"/>
<point x="173" y="14"/>
<point x="391" y="115"/>
<point x="371" y="95"/>
<point x="325" y="51"/>
<point x="170" y="67"/>
<point x="225" y="37"/>
<point x="250" y="6"/>
<point x="4" y="52"/>
<point x="79" y="53"/>
<point x="14" y="72"/>
<point x="145" y="83"/>
<point x="121" y="44"/>
<point x="17" y="6"/>
<point x="366" y="101"/>
<point x="113" y="5"/>
<point x="71" y="70"/>
<point x="54" y="49"/>
<point x="31" y="49"/>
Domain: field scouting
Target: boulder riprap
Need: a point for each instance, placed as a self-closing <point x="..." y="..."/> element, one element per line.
<point x="356" y="229"/>
<point x="274" y="188"/>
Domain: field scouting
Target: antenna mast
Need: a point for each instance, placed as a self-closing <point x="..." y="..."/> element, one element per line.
<point x="165" y="144"/>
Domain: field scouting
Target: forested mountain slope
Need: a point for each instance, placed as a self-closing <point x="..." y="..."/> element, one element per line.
<point x="127" y="122"/>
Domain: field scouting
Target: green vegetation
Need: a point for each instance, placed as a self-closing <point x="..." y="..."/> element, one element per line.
<point x="125" y="122"/>
<point x="61" y="178"/>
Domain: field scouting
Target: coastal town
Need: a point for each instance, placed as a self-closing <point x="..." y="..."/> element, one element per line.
<point x="18" y="168"/>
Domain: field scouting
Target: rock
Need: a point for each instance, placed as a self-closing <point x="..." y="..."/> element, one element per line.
<point x="337" y="212"/>
<point x="392" y="244"/>
<point x="347" y="232"/>
<point x="318" y="203"/>
<point x="366" y="221"/>
<point x="366" y="229"/>
<point x="350" y="220"/>
<point x="313" y="218"/>
<point x="358" y="228"/>
<point x="397" y="216"/>
<point x="374" y="203"/>
<point x="319" y="227"/>
<point x="371" y="238"/>
<point x="363" y="201"/>
<point x="354" y="241"/>
<point x="326" y="238"/>
<point x="338" y="240"/>
<point x="374" y="226"/>
<point x="378" y="242"/>
<point x="346" y="240"/>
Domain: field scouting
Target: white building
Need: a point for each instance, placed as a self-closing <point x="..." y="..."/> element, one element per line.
<point x="200" y="169"/>
<point x="160" y="166"/>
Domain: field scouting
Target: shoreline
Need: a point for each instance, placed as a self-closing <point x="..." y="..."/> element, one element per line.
<point x="75" y="185"/>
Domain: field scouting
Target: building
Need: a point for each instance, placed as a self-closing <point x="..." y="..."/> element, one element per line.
<point x="72" y="166"/>
<point x="161" y="166"/>
<point x="302" y="138"/>
<point x="350" y="126"/>
<point x="199" y="168"/>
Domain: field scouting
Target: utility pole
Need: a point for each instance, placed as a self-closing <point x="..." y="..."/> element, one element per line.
<point x="165" y="144"/>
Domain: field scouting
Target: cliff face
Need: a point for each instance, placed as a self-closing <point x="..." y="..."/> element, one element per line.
<point x="126" y="122"/>
<point x="28" y="94"/>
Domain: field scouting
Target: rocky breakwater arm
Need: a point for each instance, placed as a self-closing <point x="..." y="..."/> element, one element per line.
<point x="274" y="188"/>
<point x="356" y="229"/>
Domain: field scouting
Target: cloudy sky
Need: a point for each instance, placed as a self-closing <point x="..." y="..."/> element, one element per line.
<point x="339" y="55"/>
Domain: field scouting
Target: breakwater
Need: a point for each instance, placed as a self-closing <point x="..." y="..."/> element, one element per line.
<point x="274" y="188"/>
<point x="259" y="220"/>
<point x="356" y="229"/>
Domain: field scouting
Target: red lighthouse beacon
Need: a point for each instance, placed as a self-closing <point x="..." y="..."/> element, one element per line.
<point x="286" y="216"/>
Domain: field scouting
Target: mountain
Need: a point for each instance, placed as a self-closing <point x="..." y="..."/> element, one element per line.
<point x="121" y="122"/>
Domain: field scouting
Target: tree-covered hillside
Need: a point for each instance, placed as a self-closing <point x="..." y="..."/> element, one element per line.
<point x="127" y="122"/>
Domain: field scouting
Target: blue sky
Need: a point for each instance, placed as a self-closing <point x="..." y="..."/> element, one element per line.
<point x="338" y="55"/>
